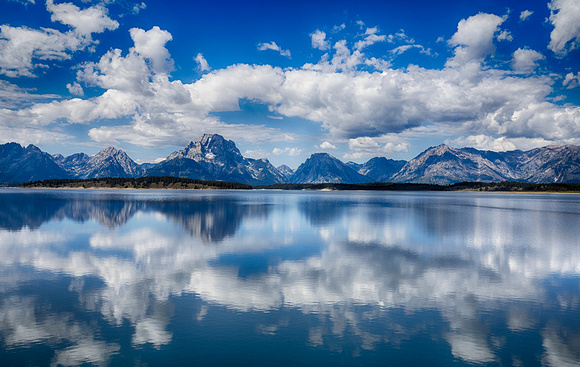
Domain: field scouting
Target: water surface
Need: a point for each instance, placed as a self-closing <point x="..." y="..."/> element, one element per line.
<point x="262" y="278"/>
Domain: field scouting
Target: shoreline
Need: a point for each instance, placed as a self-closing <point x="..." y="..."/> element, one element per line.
<point x="178" y="183"/>
<point x="303" y="189"/>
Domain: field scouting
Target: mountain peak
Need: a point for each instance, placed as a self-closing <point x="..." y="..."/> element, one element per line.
<point x="321" y="155"/>
<point x="109" y="151"/>
<point x="212" y="148"/>
<point x="322" y="167"/>
<point x="206" y="139"/>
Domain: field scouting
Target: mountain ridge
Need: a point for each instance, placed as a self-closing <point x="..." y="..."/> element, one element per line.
<point x="212" y="157"/>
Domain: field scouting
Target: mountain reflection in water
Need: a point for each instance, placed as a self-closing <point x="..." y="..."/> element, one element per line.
<point x="261" y="278"/>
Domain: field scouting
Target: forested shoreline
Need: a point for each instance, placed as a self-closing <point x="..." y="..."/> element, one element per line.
<point x="149" y="182"/>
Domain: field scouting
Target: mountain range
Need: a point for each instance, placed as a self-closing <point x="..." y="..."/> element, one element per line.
<point x="213" y="157"/>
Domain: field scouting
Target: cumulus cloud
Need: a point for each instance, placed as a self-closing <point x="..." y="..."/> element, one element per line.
<point x="473" y="40"/>
<point x="202" y="63"/>
<point x="274" y="47"/>
<point x="84" y="22"/>
<point x="327" y="145"/>
<point x="339" y="92"/>
<point x="151" y="45"/>
<point x="524" y="15"/>
<point x="319" y="41"/>
<point x="571" y="80"/>
<point x="525" y="60"/>
<point x="365" y="146"/>
<point x="75" y="89"/>
<point x="565" y="17"/>
<point x="22" y="49"/>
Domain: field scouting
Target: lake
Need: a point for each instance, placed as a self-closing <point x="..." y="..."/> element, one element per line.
<point x="266" y="278"/>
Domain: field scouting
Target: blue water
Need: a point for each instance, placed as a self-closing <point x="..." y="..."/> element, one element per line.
<point x="264" y="278"/>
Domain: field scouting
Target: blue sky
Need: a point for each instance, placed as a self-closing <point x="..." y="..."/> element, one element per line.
<point x="286" y="79"/>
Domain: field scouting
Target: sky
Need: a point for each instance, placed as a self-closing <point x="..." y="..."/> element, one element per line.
<point x="285" y="79"/>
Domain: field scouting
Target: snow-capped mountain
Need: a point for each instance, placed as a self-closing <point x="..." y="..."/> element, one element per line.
<point x="213" y="157"/>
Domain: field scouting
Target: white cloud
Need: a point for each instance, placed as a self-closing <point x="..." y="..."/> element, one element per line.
<point x="327" y="145"/>
<point x="75" y="89"/>
<point x="113" y="71"/>
<point x="202" y="63"/>
<point x="473" y="40"/>
<point x="31" y="135"/>
<point x="255" y="154"/>
<point x="524" y="15"/>
<point x="84" y="22"/>
<point x="565" y="17"/>
<point x="404" y="48"/>
<point x="14" y="97"/>
<point x="22" y="50"/>
<point x="525" y="60"/>
<point x="273" y="46"/>
<point x="319" y="41"/>
<point x="469" y="98"/>
<point x="338" y="28"/>
<point x="502" y="144"/>
<point x="292" y="152"/>
<point x="505" y="36"/>
<point x="151" y="45"/>
<point x="571" y="80"/>
<point x="378" y="146"/>
<point x="138" y="7"/>
<point x="371" y="38"/>
<point x="483" y="142"/>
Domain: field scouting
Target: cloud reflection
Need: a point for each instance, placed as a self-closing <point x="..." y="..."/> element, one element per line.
<point x="460" y="257"/>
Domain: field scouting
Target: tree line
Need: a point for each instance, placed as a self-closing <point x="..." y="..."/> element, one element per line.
<point x="157" y="182"/>
<point x="140" y="183"/>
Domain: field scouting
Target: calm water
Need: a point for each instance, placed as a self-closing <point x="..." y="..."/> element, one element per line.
<point x="288" y="278"/>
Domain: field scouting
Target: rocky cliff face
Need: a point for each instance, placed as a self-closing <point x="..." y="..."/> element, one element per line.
<point x="109" y="162"/>
<point x="286" y="171"/>
<point x="550" y="164"/>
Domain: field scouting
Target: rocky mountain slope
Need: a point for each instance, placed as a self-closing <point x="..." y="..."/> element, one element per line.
<point x="322" y="167"/>
<point x="214" y="158"/>
<point x="445" y="165"/>
<point x="19" y="164"/>
<point x="378" y="169"/>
